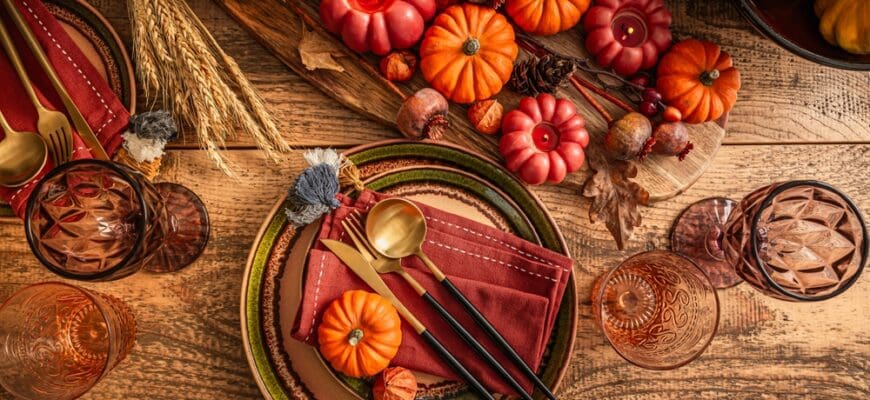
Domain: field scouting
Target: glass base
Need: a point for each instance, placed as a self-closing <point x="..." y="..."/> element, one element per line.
<point x="697" y="234"/>
<point x="189" y="231"/>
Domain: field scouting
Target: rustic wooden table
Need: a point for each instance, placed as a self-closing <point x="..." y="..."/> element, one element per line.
<point x="794" y="119"/>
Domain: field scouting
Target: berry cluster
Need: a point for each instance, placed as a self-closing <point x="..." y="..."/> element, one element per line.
<point x="651" y="100"/>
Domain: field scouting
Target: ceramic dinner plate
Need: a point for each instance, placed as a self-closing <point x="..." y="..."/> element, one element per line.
<point x="101" y="45"/>
<point x="440" y="175"/>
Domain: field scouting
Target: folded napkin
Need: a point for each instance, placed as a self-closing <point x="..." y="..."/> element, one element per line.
<point x="517" y="285"/>
<point x="103" y="111"/>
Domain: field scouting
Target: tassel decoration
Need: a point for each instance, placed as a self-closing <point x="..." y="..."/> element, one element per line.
<point x="145" y="141"/>
<point x="313" y="193"/>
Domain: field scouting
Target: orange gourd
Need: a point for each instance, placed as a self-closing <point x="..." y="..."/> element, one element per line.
<point x="360" y="333"/>
<point x="699" y="79"/>
<point x="845" y="23"/>
<point x="546" y="17"/>
<point x="468" y="53"/>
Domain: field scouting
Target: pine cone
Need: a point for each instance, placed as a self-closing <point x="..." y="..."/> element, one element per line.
<point x="541" y="75"/>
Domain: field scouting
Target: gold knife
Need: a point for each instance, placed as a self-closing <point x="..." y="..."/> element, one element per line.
<point x="78" y="119"/>
<point x="364" y="270"/>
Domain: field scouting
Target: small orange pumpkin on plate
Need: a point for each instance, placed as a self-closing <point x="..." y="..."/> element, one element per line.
<point x="546" y="17"/>
<point x="468" y="53"/>
<point x="699" y="79"/>
<point x="360" y="333"/>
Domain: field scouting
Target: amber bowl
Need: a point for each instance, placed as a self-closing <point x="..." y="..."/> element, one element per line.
<point x="793" y="25"/>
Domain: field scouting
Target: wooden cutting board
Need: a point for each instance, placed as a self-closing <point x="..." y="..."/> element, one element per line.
<point x="277" y="25"/>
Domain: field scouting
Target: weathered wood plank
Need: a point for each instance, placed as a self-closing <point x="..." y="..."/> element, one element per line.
<point x="189" y="345"/>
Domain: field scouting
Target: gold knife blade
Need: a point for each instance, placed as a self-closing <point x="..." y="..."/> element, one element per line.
<point x="82" y="127"/>
<point x="364" y="270"/>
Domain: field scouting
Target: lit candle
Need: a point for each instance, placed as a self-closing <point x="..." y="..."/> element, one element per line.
<point x="629" y="28"/>
<point x="628" y="35"/>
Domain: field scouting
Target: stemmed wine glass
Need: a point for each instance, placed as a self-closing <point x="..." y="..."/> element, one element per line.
<point x="799" y="241"/>
<point x="99" y="221"/>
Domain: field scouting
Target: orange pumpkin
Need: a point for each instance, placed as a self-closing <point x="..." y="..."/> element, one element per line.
<point x="468" y="54"/>
<point x="360" y="333"/>
<point x="699" y="79"/>
<point x="546" y="17"/>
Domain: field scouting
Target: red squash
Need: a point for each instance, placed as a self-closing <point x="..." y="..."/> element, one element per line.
<point x="628" y="35"/>
<point x="377" y="25"/>
<point x="544" y="139"/>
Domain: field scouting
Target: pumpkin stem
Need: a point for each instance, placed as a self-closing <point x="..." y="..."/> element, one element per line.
<point x="707" y="77"/>
<point x="355" y="336"/>
<point x="471" y="46"/>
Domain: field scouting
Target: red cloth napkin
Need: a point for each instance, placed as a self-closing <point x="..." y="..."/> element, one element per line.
<point x="517" y="285"/>
<point x="103" y="111"/>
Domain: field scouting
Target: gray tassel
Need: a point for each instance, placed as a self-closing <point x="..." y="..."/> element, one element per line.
<point x="157" y="125"/>
<point x="313" y="193"/>
<point x="147" y="135"/>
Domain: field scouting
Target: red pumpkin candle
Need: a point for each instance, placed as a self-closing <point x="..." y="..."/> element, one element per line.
<point x="378" y="26"/>
<point x="628" y="35"/>
<point x="544" y="139"/>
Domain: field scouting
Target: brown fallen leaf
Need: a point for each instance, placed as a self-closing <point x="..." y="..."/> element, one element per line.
<point x="614" y="196"/>
<point x="317" y="52"/>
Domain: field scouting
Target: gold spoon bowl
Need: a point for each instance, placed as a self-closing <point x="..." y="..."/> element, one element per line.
<point x="22" y="156"/>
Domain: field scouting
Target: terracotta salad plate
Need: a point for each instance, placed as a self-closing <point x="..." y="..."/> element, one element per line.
<point x="437" y="174"/>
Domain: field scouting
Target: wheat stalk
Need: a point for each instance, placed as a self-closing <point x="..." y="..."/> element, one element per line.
<point x="179" y="61"/>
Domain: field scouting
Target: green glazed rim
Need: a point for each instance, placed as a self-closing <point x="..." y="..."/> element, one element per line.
<point x="562" y="339"/>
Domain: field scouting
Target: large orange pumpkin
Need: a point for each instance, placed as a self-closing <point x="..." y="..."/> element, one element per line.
<point x="699" y="79"/>
<point x="546" y="17"/>
<point x="468" y="54"/>
<point x="360" y="333"/>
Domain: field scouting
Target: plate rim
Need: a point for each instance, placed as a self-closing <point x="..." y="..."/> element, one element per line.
<point x="270" y="220"/>
<point x="749" y="11"/>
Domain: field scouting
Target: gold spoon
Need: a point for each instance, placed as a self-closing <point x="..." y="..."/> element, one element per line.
<point x="396" y="228"/>
<point x="22" y="155"/>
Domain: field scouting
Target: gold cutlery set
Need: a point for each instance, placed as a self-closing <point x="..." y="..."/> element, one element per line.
<point x="396" y="228"/>
<point x="23" y="154"/>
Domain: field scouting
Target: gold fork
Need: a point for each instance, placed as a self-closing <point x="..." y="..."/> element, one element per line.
<point x="383" y="265"/>
<point x="53" y="126"/>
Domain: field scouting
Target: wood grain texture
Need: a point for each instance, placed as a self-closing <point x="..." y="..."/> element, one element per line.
<point x="189" y="346"/>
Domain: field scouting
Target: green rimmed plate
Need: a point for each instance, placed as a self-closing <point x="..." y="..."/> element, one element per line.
<point x="437" y="174"/>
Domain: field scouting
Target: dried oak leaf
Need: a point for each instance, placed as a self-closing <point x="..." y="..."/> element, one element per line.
<point x="317" y="53"/>
<point x="614" y="196"/>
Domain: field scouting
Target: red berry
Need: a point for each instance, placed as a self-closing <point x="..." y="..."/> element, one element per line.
<point x="648" y="108"/>
<point x="672" y="114"/>
<point x="640" y="80"/>
<point x="650" y="94"/>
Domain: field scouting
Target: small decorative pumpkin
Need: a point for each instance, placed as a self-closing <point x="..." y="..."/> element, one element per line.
<point x="628" y="35"/>
<point x="395" y="383"/>
<point x="544" y="139"/>
<point x="468" y="53"/>
<point x="360" y="333"/>
<point x="845" y="23"/>
<point x="546" y="17"/>
<point x="377" y="25"/>
<point x="699" y="79"/>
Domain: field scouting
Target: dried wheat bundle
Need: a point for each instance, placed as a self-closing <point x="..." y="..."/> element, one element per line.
<point x="179" y="60"/>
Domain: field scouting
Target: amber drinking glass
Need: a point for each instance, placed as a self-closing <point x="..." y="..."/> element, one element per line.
<point x="98" y="221"/>
<point x="59" y="340"/>
<point x="657" y="309"/>
<point x="797" y="240"/>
